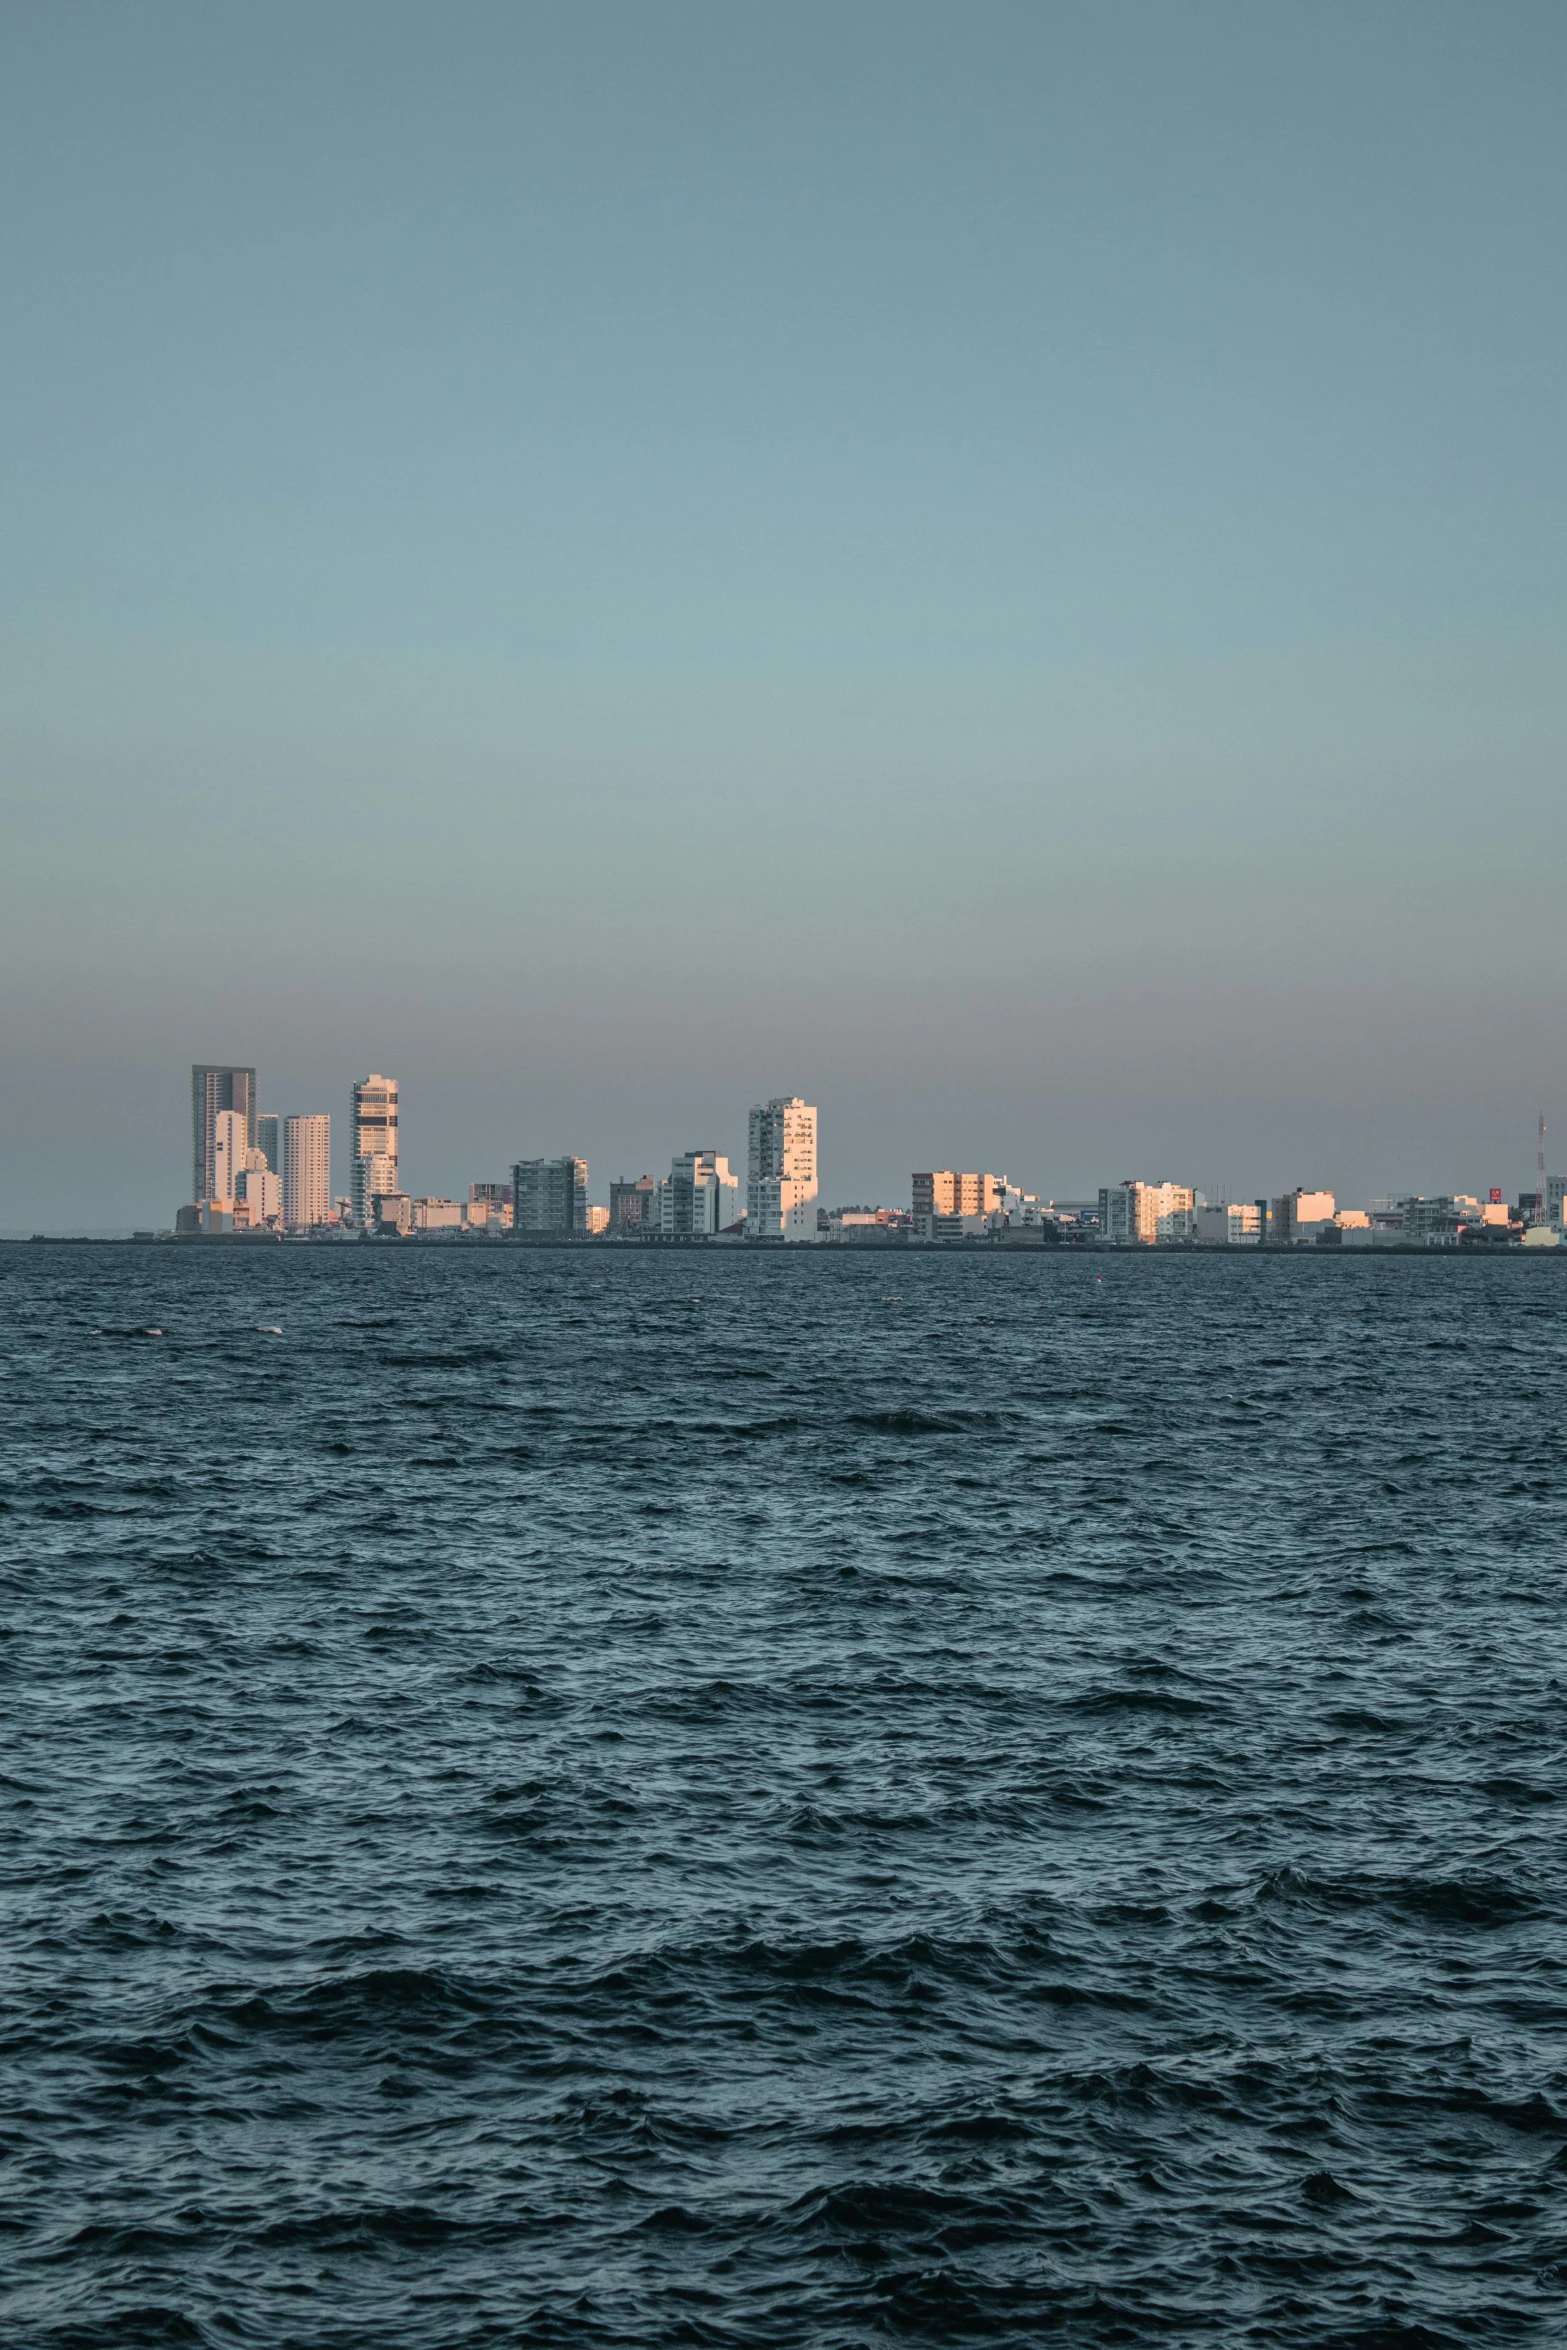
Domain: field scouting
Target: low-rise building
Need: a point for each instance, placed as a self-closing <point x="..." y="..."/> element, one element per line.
<point x="863" y="1225"/>
<point x="1074" y="1219"/>
<point x="940" y="1227"/>
<point x="944" y="1191"/>
<point x="489" y="1207"/>
<point x="1015" y="1210"/>
<point x="1227" y="1224"/>
<point x="1437" y="1222"/>
<point x="437" y="1215"/>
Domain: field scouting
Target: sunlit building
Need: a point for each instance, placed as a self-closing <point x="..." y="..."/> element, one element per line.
<point x="1138" y="1215"/>
<point x="307" y="1170"/>
<point x="372" y="1144"/>
<point x="781" y="1170"/>
<point x="214" y="1090"/>
<point x="233" y="1154"/>
<point x="1299" y="1216"/>
<point x="943" y="1191"/>
<point x="258" y="1199"/>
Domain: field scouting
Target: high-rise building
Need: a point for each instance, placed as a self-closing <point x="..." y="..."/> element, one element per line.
<point x="781" y="1170"/>
<point x="212" y="1090"/>
<point x="232" y="1154"/>
<point x="550" y="1195"/>
<point x="698" y="1197"/>
<point x="1136" y="1215"/>
<point x="372" y="1135"/>
<point x="269" y="1140"/>
<point x="307" y="1170"/>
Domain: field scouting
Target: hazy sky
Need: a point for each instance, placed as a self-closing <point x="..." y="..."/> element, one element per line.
<point x="998" y="566"/>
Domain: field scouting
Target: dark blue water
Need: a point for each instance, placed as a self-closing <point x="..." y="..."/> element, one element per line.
<point x="621" y="1798"/>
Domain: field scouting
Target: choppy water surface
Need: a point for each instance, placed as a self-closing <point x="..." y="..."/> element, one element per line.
<point x="621" y="1798"/>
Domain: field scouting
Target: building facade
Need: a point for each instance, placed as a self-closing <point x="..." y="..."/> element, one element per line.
<point x="307" y="1171"/>
<point x="373" y="1178"/>
<point x="372" y="1144"/>
<point x="1230" y="1224"/>
<point x="1131" y="1214"/>
<point x="1299" y="1216"/>
<point x="233" y="1154"/>
<point x="213" y="1090"/>
<point x="437" y="1215"/>
<point x="698" y="1197"/>
<point x="943" y="1191"/>
<point x="633" y="1207"/>
<point x="258" y="1199"/>
<point x="550" y="1196"/>
<point x="781" y="1170"/>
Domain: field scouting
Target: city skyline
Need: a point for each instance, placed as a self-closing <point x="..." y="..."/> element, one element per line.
<point x="446" y="1147"/>
<point x="273" y="1172"/>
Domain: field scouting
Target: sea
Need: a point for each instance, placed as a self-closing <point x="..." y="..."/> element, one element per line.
<point x="621" y="1796"/>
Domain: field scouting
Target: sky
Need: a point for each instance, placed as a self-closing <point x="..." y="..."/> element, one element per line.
<point x="999" y="567"/>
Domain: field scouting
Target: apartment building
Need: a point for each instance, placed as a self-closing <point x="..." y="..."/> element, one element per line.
<point x="781" y="1170"/>
<point x="307" y="1170"/>
<point x="372" y="1143"/>
<point x="699" y="1197"/>
<point x="943" y="1191"/>
<point x="215" y="1089"/>
<point x="550" y="1196"/>
<point x="1138" y="1215"/>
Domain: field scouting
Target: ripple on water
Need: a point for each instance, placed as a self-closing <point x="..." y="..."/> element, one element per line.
<point x="556" y="1808"/>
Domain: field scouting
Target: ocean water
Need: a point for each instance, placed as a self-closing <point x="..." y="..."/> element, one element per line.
<point x="809" y="1798"/>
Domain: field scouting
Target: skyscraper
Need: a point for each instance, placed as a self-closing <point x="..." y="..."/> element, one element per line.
<point x="307" y="1170"/>
<point x="372" y="1136"/>
<point x="269" y="1139"/>
<point x="213" y="1089"/>
<point x="781" y="1170"/>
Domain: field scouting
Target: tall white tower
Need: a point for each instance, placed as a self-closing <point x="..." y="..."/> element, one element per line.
<point x="780" y="1192"/>
<point x="307" y="1170"/>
